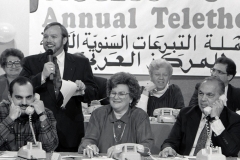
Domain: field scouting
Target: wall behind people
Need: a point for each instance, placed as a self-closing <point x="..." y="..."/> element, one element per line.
<point x="16" y="13"/>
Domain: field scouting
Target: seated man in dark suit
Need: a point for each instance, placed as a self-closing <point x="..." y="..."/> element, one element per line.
<point x="220" y="125"/>
<point x="225" y="69"/>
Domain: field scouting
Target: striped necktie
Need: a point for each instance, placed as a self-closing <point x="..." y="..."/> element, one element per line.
<point x="201" y="140"/>
<point x="57" y="78"/>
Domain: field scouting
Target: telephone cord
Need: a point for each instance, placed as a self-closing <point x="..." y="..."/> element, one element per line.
<point x="30" y="124"/>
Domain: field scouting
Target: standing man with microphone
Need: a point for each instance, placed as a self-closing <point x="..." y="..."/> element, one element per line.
<point x="64" y="67"/>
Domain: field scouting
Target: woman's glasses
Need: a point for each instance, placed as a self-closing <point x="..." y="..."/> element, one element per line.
<point x="9" y="64"/>
<point x="120" y="94"/>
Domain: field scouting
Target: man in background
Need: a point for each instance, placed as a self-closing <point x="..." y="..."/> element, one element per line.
<point x="15" y="130"/>
<point x="225" y="69"/>
<point x="65" y="68"/>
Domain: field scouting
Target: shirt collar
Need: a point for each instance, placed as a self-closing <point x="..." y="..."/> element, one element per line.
<point x="159" y="93"/>
<point x="203" y="117"/>
<point x="124" y="118"/>
<point x="226" y="90"/>
<point x="61" y="57"/>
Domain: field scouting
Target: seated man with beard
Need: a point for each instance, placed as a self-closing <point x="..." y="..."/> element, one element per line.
<point x="15" y="131"/>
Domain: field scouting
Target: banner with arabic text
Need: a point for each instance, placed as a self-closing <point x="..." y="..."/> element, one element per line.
<point x="126" y="35"/>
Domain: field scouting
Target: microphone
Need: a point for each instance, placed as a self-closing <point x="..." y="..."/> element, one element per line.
<point x="50" y="59"/>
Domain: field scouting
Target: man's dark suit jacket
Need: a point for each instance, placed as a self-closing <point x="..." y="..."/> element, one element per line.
<point x="233" y="96"/>
<point x="70" y="126"/>
<point x="102" y="89"/>
<point x="183" y="133"/>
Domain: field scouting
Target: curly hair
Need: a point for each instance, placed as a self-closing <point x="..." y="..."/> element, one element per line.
<point x="160" y="63"/>
<point x="127" y="79"/>
<point x="10" y="52"/>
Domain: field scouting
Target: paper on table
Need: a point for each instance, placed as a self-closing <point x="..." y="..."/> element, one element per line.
<point x="68" y="89"/>
<point x="8" y="155"/>
<point x="99" y="158"/>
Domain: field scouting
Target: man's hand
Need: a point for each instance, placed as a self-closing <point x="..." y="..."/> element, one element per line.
<point x="49" y="68"/>
<point x="38" y="106"/>
<point x="168" y="151"/>
<point x="80" y="87"/>
<point x="217" y="108"/>
<point x="15" y="112"/>
<point x="91" y="150"/>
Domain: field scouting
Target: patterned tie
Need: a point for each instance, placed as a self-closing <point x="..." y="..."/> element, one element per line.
<point x="201" y="140"/>
<point x="57" y="78"/>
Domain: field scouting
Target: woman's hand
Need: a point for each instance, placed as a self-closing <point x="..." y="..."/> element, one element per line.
<point x="149" y="88"/>
<point x="111" y="153"/>
<point x="91" y="150"/>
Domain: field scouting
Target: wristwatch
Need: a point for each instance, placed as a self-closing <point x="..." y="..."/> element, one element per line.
<point x="43" y="113"/>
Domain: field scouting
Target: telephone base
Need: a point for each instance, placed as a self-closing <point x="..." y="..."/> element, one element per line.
<point x="210" y="154"/>
<point x="130" y="156"/>
<point x="31" y="152"/>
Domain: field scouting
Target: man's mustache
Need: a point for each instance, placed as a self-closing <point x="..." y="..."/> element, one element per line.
<point x="23" y="105"/>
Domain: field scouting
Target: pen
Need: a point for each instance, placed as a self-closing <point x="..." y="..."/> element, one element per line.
<point x="92" y="150"/>
<point x="102" y="99"/>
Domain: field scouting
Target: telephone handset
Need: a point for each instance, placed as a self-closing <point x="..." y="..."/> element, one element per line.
<point x="164" y="115"/>
<point x="207" y="110"/>
<point x="130" y="151"/>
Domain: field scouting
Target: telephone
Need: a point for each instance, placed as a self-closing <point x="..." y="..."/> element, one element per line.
<point x="165" y="115"/>
<point x="207" y="110"/>
<point x="129" y="151"/>
<point x="210" y="153"/>
<point x="31" y="151"/>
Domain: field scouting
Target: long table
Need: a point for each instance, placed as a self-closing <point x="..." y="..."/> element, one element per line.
<point x="145" y="158"/>
<point x="160" y="132"/>
<point x="76" y="156"/>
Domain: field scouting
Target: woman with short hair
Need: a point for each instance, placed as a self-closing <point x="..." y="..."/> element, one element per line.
<point x="11" y="63"/>
<point x="159" y="93"/>
<point x="120" y="121"/>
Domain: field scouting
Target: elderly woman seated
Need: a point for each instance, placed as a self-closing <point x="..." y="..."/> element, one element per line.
<point x="120" y="121"/>
<point x="10" y="61"/>
<point x="158" y="93"/>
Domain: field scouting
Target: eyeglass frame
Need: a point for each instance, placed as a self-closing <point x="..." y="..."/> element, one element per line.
<point x="212" y="70"/>
<point x="13" y="63"/>
<point x="117" y="93"/>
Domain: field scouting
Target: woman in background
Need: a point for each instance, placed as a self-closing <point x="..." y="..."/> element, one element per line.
<point x="159" y="93"/>
<point x="120" y="121"/>
<point x="11" y="63"/>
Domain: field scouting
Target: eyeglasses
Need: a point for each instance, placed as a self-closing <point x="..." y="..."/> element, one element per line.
<point x="120" y="94"/>
<point x="213" y="70"/>
<point x="10" y="64"/>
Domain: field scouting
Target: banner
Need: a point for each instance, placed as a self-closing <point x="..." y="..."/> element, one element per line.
<point x="126" y="35"/>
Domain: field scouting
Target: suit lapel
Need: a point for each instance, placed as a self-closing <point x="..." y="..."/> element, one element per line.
<point x="230" y="98"/>
<point x="69" y="67"/>
<point x="192" y="126"/>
